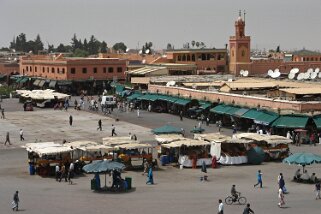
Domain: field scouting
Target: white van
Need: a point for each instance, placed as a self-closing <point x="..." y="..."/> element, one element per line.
<point x="108" y="101"/>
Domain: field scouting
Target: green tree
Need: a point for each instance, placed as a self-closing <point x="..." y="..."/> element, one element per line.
<point x="37" y="45"/>
<point x="169" y="46"/>
<point x="120" y="46"/>
<point x="51" y="48"/>
<point x="103" y="47"/>
<point x="80" y="53"/>
<point x="75" y="43"/>
<point x="85" y="46"/>
<point x="93" y="45"/>
<point x="21" y="43"/>
<point x="61" y="48"/>
<point x="13" y="43"/>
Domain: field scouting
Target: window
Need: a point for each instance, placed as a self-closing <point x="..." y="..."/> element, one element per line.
<point x="179" y="58"/>
<point x="43" y="69"/>
<point x="193" y="57"/>
<point x="184" y="58"/>
<point x="243" y="52"/>
<point x="52" y="70"/>
<point x="110" y="70"/>
<point x="203" y="57"/>
<point x="188" y="58"/>
<point x="208" y="57"/>
<point x="58" y="71"/>
<point x="63" y="70"/>
<point x="35" y="69"/>
<point x="84" y="70"/>
<point x="73" y="70"/>
<point x="27" y="68"/>
<point x="30" y="68"/>
<point x="105" y="70"/>
<point x="47" y="69"/>
<point x="119" y="69"/>
<point x="95" y="70"/>
<point x="233" y="53"/>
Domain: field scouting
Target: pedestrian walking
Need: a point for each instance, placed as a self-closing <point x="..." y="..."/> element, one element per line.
<point x="248" y="210"/>
<point x="63" y="173"/>
<point x="21" y="135"/>
<point x="219" y="126"/>
<point x="281" y="183"/>
<point x="150" y="107"/>
<point x="150" y="176"/>
<point x="99" y="125"/>
<point x="70" y="120"/>
<point x="259" y="179"/>
<point x="207" y="121"/>
<point x="69" y="175"/>
<point x="281" y="198"/>
<point x="220" y="207"/>
<point x="317" y="190"/>
<point x="138" y="113"/>
<point x="2" y="114"/>
<point x="15" y="202"/>
<point x="7" y="139"/>
<point x="181" y="115"/>
<point x="113" y="130"/>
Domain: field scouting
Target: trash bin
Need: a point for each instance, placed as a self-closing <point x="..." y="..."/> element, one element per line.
<point x="129" y="182"/>
<point x="32" y="169"/>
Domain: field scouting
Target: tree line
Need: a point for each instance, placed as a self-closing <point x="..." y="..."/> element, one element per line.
<point x="77" y="47"/>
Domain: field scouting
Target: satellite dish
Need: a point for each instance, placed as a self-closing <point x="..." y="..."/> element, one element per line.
<point x="319" y="75"/>
<point x="241" y="72"/>
<point x="270" y="73"/>
<point x="246" y="73"/>
<point x="306" y="75"/>
<point x="317" y="70"/>
<point x="140" y="51"/>
<point x="291" y="76"/>
<point x="300" y="76"/>
<point x="147" y="51"/>
<point x="314" y="75"/>
<point x="127" y="50"/>
<point x="144" y="61"/>
<point x="230" y="80"/>
<point x="170" y="83"/>
<point x="276" y="73"/>
<point x="310" y="70"/>
<point x="295" y="70"/>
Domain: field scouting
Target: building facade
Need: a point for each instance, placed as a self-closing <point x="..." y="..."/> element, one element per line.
<point x="206" y="60"/>
<point x="73" y="68"/>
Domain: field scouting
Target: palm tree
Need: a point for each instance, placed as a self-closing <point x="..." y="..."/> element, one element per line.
<point x="193" y="43"/>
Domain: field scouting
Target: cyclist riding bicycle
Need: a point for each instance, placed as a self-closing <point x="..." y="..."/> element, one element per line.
<point x="234" y="193"/>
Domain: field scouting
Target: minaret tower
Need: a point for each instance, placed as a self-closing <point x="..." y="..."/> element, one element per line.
<point x="240" y="47"/>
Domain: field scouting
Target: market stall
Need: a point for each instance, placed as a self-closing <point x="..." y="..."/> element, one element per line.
<point x="42" y="157"/>
<point x="227" y="151"/>
<point x="89" y="150"/>
<point x="275" y="146"/>
<point x="189" y="152"/>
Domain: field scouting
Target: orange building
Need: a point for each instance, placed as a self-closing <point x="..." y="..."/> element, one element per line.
<point x="73" y="68"/>
<point x="8" y="68"/>
<point x="206" y="60"/>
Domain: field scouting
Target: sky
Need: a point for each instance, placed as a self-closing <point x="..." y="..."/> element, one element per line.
<point x="292" y="24"/>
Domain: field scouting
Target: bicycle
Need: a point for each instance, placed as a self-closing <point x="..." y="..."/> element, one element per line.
<point x="240" y="199"/>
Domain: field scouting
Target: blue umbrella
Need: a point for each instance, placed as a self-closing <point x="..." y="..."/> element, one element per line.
<point x="103" y="166"/>
<point x="303" y="159"/>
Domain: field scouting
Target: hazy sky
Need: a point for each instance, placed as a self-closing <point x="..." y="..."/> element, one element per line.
<point x="293" y="24"/>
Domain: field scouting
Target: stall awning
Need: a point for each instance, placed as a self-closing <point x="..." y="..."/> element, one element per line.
<point x="41" y="83"/>
<point x="220" y="109"/>
<point x="64" y="82"/>
<point x="52" y="84"/>
<point x="23" y="80"/>
<point x="36" y="82"/>
<point x="148" y="97"/>
<point x="266" y="118"/>
<point x="204" y="105"/>
<point x="167" y="129"/>
<point x="291" y="121"/>
<point x="317" y="121"/>
<point x="119" y="89"/>
<point x="134" y="96"/>
<point x="232" y="110"/>
<point x="167" y="98"/>
<point x="240" y="112"/>
<point x="182" y="101"/>
<point x="252" y="114"/>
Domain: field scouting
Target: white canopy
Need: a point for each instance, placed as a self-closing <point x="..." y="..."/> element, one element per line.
<point x="213" y="137"/>
<point x="81" y="143"/>
<point x="114" y="141"/>
<point x="270" y="139"/>
<point x="130" y="146"/>
<point x="47" y="94"/>
<point x="167" y="138"/>
<point x="47" y="148"/>
<point x="186" y="142"/>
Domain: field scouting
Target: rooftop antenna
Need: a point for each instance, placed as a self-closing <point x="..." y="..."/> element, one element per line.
<point x="244" y="15"/>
